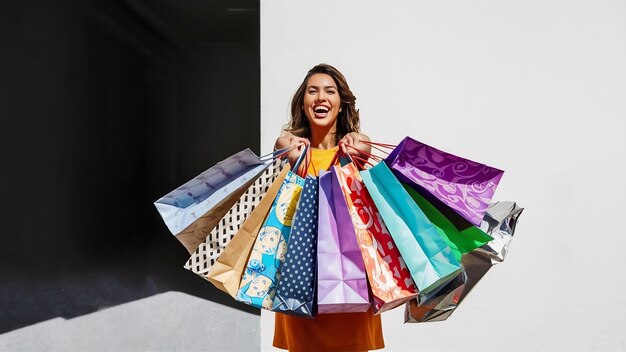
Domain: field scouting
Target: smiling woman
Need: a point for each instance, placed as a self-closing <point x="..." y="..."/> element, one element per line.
<point x="324" y="116"/>
<point x="321" y="100"/>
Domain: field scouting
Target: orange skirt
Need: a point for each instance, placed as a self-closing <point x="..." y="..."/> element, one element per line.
<point x="329" y="332"/>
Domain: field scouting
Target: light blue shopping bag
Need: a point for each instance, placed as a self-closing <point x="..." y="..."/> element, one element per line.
<point x="258" y="284"/>
<point x="429" y="259"/>
<point x="211" y="193"/>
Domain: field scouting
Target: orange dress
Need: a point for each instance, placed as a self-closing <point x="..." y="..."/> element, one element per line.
<point x="328" y="332"/>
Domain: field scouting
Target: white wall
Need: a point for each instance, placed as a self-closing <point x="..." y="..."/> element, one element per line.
<point x="537" y="88"/>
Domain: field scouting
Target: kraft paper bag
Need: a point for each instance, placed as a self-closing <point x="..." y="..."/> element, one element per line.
<point x="228" y="269"/>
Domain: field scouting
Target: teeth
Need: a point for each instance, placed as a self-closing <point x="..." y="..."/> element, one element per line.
<point x="321" y="109"/>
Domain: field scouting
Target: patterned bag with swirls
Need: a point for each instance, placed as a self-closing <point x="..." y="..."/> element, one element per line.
<point x="463" y="185"/>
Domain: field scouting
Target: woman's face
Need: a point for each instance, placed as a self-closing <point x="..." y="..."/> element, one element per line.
<point x="322" y="102"/>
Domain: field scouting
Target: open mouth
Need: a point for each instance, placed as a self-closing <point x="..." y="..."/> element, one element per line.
<point x="321" y="111"/>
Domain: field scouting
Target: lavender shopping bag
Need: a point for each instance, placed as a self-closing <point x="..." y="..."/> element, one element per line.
<point x="295" y="294"/>
<point x="464" y="185"/>
<point x="342" y="282"/>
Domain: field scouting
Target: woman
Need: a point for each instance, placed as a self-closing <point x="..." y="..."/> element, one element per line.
<point x="324" y="117"/>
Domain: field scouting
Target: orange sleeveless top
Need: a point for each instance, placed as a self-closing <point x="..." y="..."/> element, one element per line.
<point x="328" y="332"/>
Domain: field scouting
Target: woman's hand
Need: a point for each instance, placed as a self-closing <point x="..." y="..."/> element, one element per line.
<point x="352" y="144"/>
<point x="289" y="139"/>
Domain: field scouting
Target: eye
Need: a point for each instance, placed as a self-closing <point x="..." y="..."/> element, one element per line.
<point x="331" y="92"/>
<point x="312" y="91"/>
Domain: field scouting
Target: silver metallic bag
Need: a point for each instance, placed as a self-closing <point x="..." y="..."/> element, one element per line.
<point x="499" y="222"/>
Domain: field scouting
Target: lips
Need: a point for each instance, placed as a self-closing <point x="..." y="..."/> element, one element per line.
<point x="321" y="111"/>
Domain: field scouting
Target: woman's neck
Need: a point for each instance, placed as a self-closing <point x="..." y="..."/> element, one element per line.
<point x="323" y="138"/>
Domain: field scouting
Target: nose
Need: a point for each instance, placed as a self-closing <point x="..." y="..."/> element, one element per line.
<point x="321" y="96"/>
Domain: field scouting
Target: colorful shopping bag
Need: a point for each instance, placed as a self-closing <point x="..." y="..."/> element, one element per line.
<point x="460" y="241"/>
<point x="295" y="293"/>
<point x="217" y="236"/>
<point x="390" y="281"/>
<point x="212" y="192"/>
<point x="499" y="222"/>
<point x="227" y="270"/>
<point x="464" y="185"/>
<point x="258" y="284"/>
<point x="342" y="281"/>
<point x="429" y="259"/>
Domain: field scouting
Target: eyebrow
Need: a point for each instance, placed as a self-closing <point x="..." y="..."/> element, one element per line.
<point x="317" y="87"/>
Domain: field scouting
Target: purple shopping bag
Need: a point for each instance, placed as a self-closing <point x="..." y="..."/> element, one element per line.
<point x="342" y="282"/>
<point x="463" y="185"/>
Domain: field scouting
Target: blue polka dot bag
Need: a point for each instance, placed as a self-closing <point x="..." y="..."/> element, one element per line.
<point x="295" y="294"/>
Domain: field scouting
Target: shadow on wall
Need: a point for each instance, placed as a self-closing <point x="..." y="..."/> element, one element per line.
<point x="106" y="106"/>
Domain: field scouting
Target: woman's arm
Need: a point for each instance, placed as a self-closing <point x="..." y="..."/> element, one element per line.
<point x="288" y="139"/>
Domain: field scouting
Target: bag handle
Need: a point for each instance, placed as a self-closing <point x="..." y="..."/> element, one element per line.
<point x="361" y="159"/>
<point x="381" y="147"/>
<point x="277" y="153"/>
<point x="303" y="156"/>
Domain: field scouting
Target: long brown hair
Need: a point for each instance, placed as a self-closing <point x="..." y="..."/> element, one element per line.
<point x="348" y="118"/>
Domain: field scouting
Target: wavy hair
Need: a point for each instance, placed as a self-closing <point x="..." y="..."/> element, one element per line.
<point x="347" y="120"/>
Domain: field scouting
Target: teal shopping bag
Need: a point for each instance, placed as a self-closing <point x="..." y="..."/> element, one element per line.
<point x="429" y="259"/>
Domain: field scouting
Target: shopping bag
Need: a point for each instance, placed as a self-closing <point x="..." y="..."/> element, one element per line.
<point x="460" y="241"/>
<point x="214" y="191"/>
<point x="499" y="222"/>
<point x="429" y="259"/>
<point x="217" y="236"/>
<point x="295" y="293"/>
<point x="464" y="185"/>
<point x="390" y="282"/>
<point x="342" y="282"/>
<point x="258" y="283"/>
<point x="228" y="268"/>
<point x="439" y="304"/>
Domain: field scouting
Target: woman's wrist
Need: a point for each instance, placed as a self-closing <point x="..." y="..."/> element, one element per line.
<point x="283" y="141"/>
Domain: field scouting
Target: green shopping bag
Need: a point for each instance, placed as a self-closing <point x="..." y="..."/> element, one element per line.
<point x="460" y="241"/>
